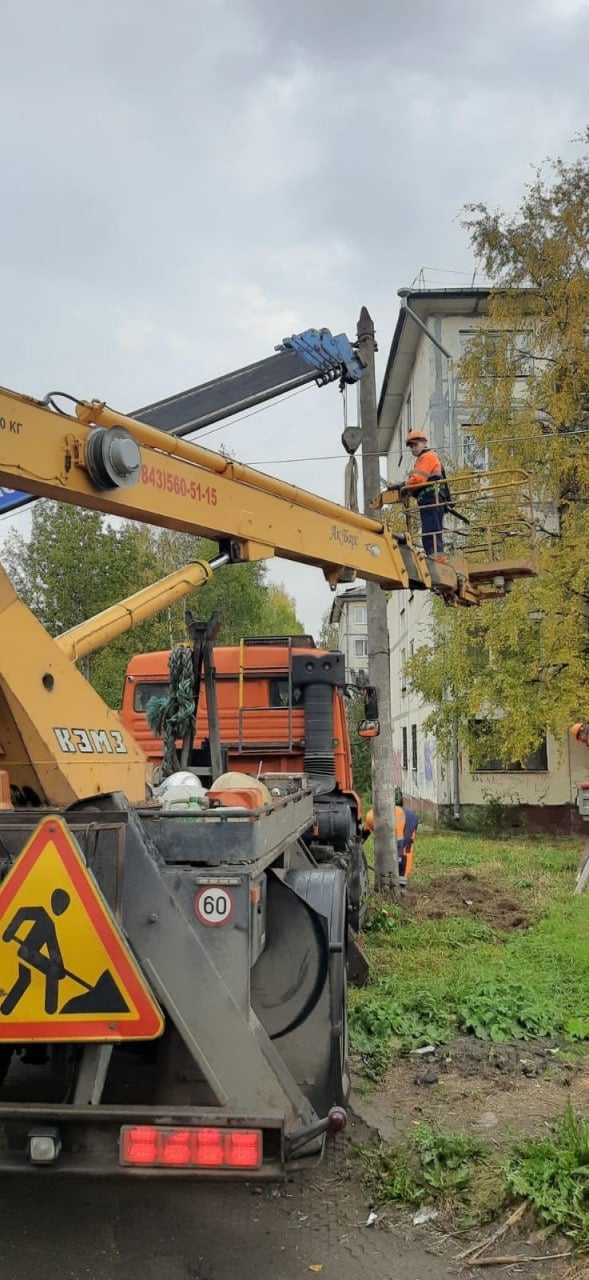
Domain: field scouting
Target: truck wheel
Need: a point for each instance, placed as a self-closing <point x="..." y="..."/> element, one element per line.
<point x="357" y="886"/>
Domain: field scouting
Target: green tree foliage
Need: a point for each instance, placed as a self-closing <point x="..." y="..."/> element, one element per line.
<point x="75" y="564"/>
<point x="521" y="663"/>
<point x="328" y="634"/>
<point x="361" y="750"/>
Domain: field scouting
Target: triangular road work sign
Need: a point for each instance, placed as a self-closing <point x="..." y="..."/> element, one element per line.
<point x="66" y="972"/>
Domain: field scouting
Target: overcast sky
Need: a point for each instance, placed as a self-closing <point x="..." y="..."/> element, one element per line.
<point x="183" y="182"/>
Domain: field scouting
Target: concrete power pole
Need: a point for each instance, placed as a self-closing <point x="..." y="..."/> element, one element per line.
<point x="383" y="788"/>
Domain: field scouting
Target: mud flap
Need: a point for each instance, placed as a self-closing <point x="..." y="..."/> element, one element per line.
<point x="358" y="968"/>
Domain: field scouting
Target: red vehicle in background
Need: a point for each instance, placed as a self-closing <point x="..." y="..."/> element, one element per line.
<point x="281" y="711"/>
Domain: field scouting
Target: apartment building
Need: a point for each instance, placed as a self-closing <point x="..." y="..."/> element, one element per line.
<point x="421" y="389"/>
<point x="348" y="616"/>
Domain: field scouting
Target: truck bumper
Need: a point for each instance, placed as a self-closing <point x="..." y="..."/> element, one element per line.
<point x="88" y="1140"/>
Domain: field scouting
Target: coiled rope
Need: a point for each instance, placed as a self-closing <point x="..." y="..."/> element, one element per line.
<point x="173" y="716"/>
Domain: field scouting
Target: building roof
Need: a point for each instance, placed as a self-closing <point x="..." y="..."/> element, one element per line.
<point x="352" y="595"/>
<point x="424" y="302"/>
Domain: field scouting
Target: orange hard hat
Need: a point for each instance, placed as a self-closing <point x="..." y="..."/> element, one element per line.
<point x="414" y="436"/>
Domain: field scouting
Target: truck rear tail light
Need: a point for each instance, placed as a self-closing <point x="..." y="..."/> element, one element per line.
<point x="175" y="1148"/>
<point x="199" y="1148"/>
<point x="139" y="1146"/>
<point x="243" y="1150"/>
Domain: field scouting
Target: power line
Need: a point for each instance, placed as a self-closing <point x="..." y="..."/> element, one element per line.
<point x="233" y="422"/>
<point x="334" y="457"/>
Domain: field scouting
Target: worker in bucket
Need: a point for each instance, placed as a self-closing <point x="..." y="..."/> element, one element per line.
<point x="429" y="495"/>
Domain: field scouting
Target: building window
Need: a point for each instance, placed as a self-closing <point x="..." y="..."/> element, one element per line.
<point x="403" y="661"/>
<point x="517" y="347"/>
<point x="475" y="454"/>
<point x="360" y="615"/>
<point x="405" y="752"/>
<point x="361" y="647"/>
<point x="414" y="747"/>
<point x="465" y="338"/>
<point x="537" y="762"/>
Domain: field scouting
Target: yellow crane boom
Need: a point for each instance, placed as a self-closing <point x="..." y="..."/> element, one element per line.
<point x="182" y="486"/>
<point x="107" y="461"/>
<point x="119" y="618"/>
<point x="58" y="741"/>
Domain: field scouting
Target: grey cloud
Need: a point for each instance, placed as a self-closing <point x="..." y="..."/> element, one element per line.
<point x="184" y="183"/>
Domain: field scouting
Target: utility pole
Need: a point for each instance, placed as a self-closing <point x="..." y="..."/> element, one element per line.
<point x="386" y="866"/>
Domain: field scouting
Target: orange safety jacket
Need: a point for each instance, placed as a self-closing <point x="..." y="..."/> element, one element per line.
<point x="428" y="467"/>
<point x="399" y="822"/>
<point x="402" y="850"/>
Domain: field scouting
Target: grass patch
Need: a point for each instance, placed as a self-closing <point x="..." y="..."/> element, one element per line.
<point x="552" y="1174"/>
<point x="434" y="978"/>
<point x="384" y="1019"/>
<point x="430" y="1167"/>
<point x="467" y="1181"/>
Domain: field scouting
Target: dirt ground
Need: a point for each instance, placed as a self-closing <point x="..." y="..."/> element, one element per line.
<point x="463" y="895"/>
<point x="495" y="1091"/>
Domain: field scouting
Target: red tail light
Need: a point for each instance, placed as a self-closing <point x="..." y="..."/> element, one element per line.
<point x="243" y="1150"/>
<point x="140" y="1145"/>
<point x="174" y="1147"/>
<point x="209" y="1148"/>
<point x="198" y="1148"/>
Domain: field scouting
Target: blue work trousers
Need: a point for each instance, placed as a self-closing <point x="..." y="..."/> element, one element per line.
<point x="432" y="522"/>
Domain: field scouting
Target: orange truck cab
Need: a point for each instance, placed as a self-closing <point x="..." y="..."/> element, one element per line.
<point x="281" y="709"/>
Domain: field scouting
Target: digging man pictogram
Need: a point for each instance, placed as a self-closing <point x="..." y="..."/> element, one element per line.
<point x="39" y="951"/>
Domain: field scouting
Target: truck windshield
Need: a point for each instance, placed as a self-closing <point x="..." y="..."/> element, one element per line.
<point x="149" y="689"/>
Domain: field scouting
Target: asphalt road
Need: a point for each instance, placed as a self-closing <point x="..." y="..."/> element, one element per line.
<point x="71" y="1229"/>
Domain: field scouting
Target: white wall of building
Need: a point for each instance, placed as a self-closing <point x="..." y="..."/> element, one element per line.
<point x="348" y="614"/>
<point x="418" y="769"/>
<point x="433" y="401"/>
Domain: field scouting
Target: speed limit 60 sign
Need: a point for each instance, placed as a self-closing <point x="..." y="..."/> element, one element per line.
<point x="213" y="905"/>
